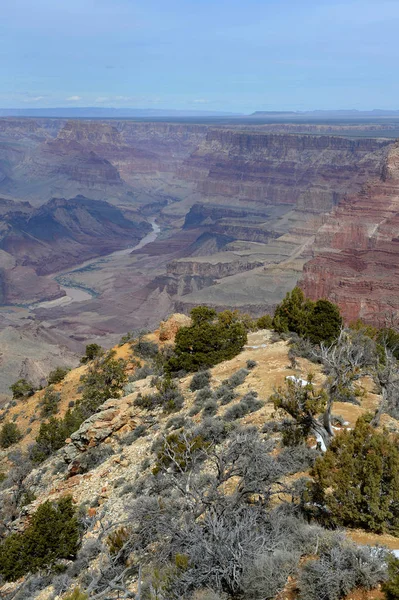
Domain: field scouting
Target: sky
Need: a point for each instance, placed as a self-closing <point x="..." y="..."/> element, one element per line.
<point x="231" y="55"/>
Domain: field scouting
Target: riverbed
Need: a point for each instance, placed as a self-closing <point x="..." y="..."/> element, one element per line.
<point x="78" y="293"/>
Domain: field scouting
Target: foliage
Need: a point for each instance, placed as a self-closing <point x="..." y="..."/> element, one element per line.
<point x="247" y="404"/>
<point x="134" y="435"/>
<point x="200" y="380"/>
<point x="209" y="340"/>
<point x="57" y="375"/>
<point x="389" y="338"/>
<point x="303" y="404"/>
<point x="92" y="351"/>
<point x="357" y="479"/>
<point x="93" y="457"/>
<point x="9" y="435"/>
<point x="168" y="396"/>
<point x="76" y="595"/>
<point x="50" y="402"/>
<point x="146" y="349"/>
<point x="104" y="379"/>
<point x="117" y="539"/>
<point x="251" y="364"/>
<point x="339" y="570"/>
<point x="264" y="322"/>
<point x="52" y="534"/>
<point x="22" y="389"/>
<point x="391" y="587"/>
<point x="319" y="321"/>
<point x="237" y="378"/>
<point x="52" y="435"/>
<point x="178" y="451"/>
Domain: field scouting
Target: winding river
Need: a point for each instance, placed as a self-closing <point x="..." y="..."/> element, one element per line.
<point x="78" y="293"/>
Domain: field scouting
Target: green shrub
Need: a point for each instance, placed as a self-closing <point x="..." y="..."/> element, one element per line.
<point x="105" y="379"/>
<point x="168" y="396"/>
<point x="53" y="534"/>
<point x="57" y="375"/>
<point x="209" y="340"/>
<point x="391" y="587"/>
<point x="22" y="389"/>
<point x="265" y="322"/>
<point x="9" y="435"/>
<point x="52" y="435"/>
<point x="92" y="351"/>
<point x="357" y="479"/>
<point x="50" y="402"/>
<point x="319" y="321"/>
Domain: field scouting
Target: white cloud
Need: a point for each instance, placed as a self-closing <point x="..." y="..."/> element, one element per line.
<point x="200" y="101"/>
<point x="74" y="98"/>
<point x="102" y="99"/>
<point x="33" y="98"/>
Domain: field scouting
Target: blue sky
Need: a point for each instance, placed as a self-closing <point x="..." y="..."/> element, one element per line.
<point x="235" y="55"/>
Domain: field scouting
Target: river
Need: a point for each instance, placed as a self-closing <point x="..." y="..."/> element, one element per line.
<point x="79" y="294"/>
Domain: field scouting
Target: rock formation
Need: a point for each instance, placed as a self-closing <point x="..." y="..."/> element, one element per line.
<point x="356" y="252"/>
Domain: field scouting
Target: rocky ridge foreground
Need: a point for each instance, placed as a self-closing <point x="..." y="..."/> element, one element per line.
<point x="102" y="491"/>
<point x="356" y="252"/>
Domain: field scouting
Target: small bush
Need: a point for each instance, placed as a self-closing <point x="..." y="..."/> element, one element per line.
<point x="203" y="395"/>
<point x="50" y="403"/>
<point x="209" y="340"/>
<point x="134" y="435"/>
<point x="53" y="534"/>
<point x="210" y="408"/>
<point x="268" y="574"/>
<point x="117" y="539"/>
<point x="176" y="422"/>
<point x="213" y="430"/>
<point x="391" y="587"/>
<point x="92" y="351"/>
<point x="341" y="569"/>
<point x="125" y="339"/>
<point x="238" y="378"/>
<point x="248" y="404"/>
<point x="226" y="394"/>
<point x="9" y="435"/>
<point x="93" y="457"/>
<point x="251" y="364"/>
<point x="76" y="595"/>
<point x="146" y="349"/>
<point x="141" y="373"/>
<point x="168" y="396"/>
<point x="265" y="322"/>
<point x="194" y="410"/>
<point x="22" y="389"/>
<point x="200" y="380"/>
<point x="57" y="375"/>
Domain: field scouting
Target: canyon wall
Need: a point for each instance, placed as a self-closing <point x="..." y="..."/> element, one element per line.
<point x="356" y="252"/>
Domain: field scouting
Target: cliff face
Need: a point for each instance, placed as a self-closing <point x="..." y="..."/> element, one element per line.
<point x="356" y="252"/>
<point x="312" y="172"/>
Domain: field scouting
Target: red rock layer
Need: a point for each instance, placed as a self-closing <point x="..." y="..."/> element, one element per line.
<point x="356" y="252"/>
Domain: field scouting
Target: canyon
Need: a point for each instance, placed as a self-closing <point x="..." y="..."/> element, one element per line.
<point x="244" y="212"/>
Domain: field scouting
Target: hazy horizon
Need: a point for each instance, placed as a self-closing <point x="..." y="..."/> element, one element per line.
<point x="186" y="55"/>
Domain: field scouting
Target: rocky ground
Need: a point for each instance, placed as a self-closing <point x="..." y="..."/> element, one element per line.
<point x="103" y="491"/>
